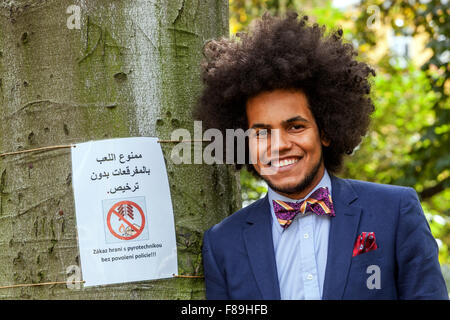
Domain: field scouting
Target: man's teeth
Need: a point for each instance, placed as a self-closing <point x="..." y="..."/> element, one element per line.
<point x="283" y="163"/>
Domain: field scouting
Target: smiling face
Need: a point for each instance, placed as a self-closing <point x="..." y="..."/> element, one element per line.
<point x="290" y="162"/>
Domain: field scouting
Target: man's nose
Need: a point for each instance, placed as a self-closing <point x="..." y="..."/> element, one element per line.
<point x="280" y="141"/>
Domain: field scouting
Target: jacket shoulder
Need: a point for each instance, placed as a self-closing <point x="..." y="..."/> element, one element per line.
<point x="236" y="220"/>
<point x="373" y="191"/>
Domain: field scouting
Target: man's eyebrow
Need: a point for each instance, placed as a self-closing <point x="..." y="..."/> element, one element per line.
<point x="268" y="126"/>
<point x="297" y="118"/>
<point x="260" y="125"/>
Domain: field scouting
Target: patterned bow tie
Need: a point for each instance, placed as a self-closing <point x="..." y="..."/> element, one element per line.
<point x="318" y="202"/>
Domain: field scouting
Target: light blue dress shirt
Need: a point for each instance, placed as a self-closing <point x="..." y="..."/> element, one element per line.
<point x="301" y="250"/>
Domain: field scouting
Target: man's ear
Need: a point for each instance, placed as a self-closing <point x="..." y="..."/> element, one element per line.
<point x="324" y="139"/>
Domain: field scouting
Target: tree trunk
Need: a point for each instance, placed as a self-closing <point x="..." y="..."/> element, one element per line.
<point x="132" y="69"/>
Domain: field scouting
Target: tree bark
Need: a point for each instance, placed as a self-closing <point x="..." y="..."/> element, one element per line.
<point x="132" y="69"/>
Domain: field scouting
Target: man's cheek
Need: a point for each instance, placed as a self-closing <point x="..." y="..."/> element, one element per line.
<point x="261" y="161"/>
<point x="254" y="156"/>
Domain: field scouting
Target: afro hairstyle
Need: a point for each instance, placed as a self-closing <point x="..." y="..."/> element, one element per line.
<point x="288" y="53"/>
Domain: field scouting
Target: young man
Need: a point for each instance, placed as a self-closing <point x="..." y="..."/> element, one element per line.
<point x="314" y="236"/>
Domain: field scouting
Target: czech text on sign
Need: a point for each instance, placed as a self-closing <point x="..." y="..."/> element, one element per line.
<point x="124" y="211"/>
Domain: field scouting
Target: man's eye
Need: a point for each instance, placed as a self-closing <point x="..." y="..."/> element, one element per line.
<point x="261" y="133"/>
<point x="297" y="127"/>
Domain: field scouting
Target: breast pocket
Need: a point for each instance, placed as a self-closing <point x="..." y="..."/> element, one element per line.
<point x="365" y="278"/>
<point x="367" y="258"/>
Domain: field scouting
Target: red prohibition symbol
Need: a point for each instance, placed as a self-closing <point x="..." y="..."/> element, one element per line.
<point x="125" y="211"/>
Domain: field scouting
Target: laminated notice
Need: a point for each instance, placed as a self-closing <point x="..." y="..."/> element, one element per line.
<point x="124" y="212"/>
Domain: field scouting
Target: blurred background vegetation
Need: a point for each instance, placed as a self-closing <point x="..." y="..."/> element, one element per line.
<point x="407" y="42"/>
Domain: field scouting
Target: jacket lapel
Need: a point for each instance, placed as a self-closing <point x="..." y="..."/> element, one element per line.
<point x="259" y="245"/>
<point x="343" y="232"/>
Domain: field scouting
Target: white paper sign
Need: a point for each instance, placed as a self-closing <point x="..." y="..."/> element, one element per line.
<point x="124" y="211"/>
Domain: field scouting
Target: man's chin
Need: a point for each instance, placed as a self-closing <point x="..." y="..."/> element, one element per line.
<point x="295" y="187"/>
<point x="287" y="188"/>
<point x="289" y="183"/>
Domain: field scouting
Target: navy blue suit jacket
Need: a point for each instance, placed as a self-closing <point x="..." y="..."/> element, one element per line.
<point x="239" y="259"/>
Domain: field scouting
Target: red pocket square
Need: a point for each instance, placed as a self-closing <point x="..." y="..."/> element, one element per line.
<point x="364" y="243"/>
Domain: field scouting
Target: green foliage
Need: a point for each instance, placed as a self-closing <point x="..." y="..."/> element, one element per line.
<point x="404" y="106"/>
<point x="242" y="12"/>
<point x="252" y="188"/>
<point x="429" y="170"/>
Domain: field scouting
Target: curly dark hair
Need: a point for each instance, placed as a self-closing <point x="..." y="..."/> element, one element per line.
<point x="289" y="53"/>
